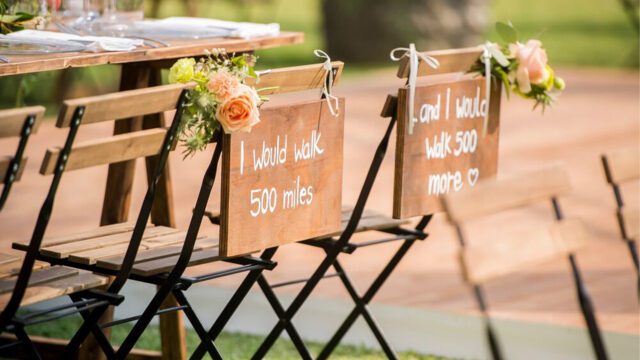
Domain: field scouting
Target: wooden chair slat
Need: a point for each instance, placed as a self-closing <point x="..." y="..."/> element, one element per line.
<point x="622" y="165"/>
<point x="82" y="235"/>
<point x="39" y="277"/>
<point x="487" y="261"/>
<point x="13" y="268"/>
<point x="297" y="78"/>
<point x="492" y="196"/>
<point x="12" y="120"/>
<point x="4" y="167"/>
<point x="64" y="250"/>
<point x="151" y="254"/>
<point x="50" y="290"/>
<point x="109" y="150"/>
<point x="629" y="218"/>
<point x="451" y="61"/>
<point x="165" y="264"/>
<point x="90" y="257"/>
<point x="123" y="104"/>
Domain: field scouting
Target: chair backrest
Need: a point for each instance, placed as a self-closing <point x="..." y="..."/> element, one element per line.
<point x="115" y="148"/>
<point x="282" y="182"/>
<point x="112" y="149"/>
<point x="620" y="167"/>
<point x="444" y="148"/>
<point x="20" y="123"/>
<point x="489" y="260"/>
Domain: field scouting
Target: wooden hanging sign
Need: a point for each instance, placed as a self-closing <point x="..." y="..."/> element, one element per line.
<point x="446" y="151"/>
<point x="282" y="182"/>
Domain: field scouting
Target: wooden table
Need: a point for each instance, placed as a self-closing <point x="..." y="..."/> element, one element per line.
<point x="141" y="68"/>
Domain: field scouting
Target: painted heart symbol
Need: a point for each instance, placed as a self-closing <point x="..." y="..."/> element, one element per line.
<point x="472" y="176"/>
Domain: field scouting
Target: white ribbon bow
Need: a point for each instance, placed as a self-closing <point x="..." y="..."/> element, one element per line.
<point x="414" y="58"/>
<point x="490" y="50"/>
<point x="327" y="87"/>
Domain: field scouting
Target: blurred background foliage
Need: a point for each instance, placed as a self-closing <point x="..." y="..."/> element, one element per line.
<point x="584" y="33"/>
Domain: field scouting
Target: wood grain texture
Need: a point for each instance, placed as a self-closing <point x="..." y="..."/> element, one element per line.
<point x="81" y="235"/>
<point x="493" y="196"/>
<point x="424" y="173"/>
<point x="122" y="104"/>
<point x="13" y="268"/>
<point x="12" y="120"/>
<point x="293" y="218"/>
<point x="39" y="277"/>
<point x="297" y="78"/>
<point x="64" y="250"/>
<point x="520" y="250"/>
<point x="56" y="288"/>
<point x="451" y="61"/>
<point x="622" y="165"/>
<point x="114" y="149"/>
<point x="177" y="49"/>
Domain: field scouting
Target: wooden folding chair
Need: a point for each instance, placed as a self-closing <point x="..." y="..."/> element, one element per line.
<point x="84" y="249"/>
<point x="486" y="261"/>
<point x="164" y="265"/>
<point x="291" y="117"/>
<point x="21" y="122"/>
<point x="621" y="167"/>
<point x="356" y="219"/>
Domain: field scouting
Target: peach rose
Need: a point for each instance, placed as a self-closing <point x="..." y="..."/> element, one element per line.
<point x="223" y="85"/>
<point x="532" y="68"/>
<point x="240" y="112"/>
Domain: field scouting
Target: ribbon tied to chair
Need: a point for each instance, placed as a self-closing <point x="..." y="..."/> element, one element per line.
<point x="490" y="50"/>
<point x="414" y="59"/>
<point x="327" y="88"/>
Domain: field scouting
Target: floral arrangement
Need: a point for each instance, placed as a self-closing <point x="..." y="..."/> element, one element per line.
<point x="220" y="97"/>
<point x="522" y="67"/>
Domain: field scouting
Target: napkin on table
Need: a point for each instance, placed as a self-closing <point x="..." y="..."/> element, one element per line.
<point x="244" y="30"/>
<point x="92" y="43"/>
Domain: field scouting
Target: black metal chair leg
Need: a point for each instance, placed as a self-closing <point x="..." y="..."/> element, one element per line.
<point x="234" y="303"/>
<point x="143" y="322"/>
<point x="361" y="303"/>
<point x="85" y="329"/>
<point x="588" y="312"/>
<point x="205" y="339"/>
<point x="280" y="312"/>
<point x="100" y="337"/>
<point x="23" y="337"/>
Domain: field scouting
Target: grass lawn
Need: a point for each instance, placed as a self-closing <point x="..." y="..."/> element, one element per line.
<point x="231" y="345"/>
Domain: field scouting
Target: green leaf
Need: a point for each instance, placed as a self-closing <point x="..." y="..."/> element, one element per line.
<point x="507" y="32"/>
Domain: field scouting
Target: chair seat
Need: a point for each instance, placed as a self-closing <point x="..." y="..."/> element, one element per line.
<point x="46" y="282"/>
<point x="370" y="220"/>
<point x="106" y="246"/>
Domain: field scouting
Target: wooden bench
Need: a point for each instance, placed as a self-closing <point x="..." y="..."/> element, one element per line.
<point x="511" y="251"/>
<point x="16" y="123"/>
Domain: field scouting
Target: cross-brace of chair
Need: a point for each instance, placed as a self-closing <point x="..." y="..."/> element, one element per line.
<point x="92" y="304"/>
<point x="332" y="248"/>
<point x="584" y="299"/>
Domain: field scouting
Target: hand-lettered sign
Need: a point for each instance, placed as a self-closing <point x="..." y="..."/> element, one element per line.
<point x="446" y="151"/>
<point x="282" y="182"/>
